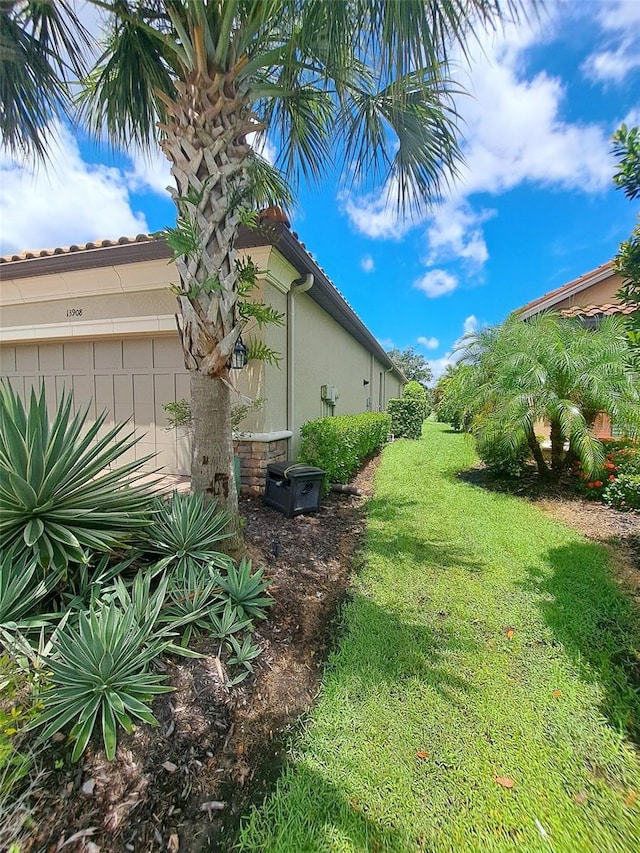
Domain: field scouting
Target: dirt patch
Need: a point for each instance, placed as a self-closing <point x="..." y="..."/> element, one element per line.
<point x="184" y="785"/>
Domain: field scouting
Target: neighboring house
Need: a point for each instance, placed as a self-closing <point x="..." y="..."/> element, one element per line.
<point x="99" y="319"/>
<point x="589" y="297"/>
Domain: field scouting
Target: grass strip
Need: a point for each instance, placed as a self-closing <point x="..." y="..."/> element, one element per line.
<point x="482" y="694"/>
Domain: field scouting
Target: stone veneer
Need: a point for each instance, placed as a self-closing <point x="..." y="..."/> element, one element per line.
<point x="254" y="458"/>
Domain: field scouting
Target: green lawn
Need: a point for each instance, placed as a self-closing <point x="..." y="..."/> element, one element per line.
<point x="489" y="640"/>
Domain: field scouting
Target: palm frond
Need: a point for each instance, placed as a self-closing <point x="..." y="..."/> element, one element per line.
<point x="124" y="94"/>
<point x="42" y="50"/>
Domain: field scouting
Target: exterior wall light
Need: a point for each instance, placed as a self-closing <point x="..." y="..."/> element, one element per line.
<point x="365" y="381"/>
<point x="239" y="358"/>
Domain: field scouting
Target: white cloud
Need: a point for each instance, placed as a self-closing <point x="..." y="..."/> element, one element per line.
<point x="455" y="233"/>
<point x="514" y="134"/>
<point x="377" y="215"/>
<point x="367" y="263"/>
<point x="151" y="171"/>
<point x="612" y="66"/>
<point x="429" y="343"/>
<point x="439" y="365"/>
<point x="70" y="201"/>
<point x="436" y="283"/>
<point x="263" y="146"/>
<point x="620" y="22"/>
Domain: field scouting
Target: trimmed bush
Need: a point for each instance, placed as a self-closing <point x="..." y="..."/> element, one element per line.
<point x="416" y="391"/>
<point x="407" y="416"/>
<point x="339" y="445"/>
<point x="624" y="492"/>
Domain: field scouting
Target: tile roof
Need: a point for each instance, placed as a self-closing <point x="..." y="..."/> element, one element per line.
<point x="606" y="310"/>
<point x="77" y="247"/>
<point x="576" y="284"/>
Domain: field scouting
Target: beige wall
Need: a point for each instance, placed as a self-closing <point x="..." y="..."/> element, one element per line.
<point x="600" y="293"/>
<point x="325" y="354"/>
<point x="109" y="335"/>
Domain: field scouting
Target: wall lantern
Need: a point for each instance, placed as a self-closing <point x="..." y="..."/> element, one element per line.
<point x="239" y="358"/>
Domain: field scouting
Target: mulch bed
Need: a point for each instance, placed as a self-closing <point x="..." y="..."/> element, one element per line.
<point x="184" y="785"/>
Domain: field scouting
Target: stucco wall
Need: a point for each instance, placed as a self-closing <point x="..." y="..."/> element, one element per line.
<point x="94" y="327"/>
<point x="325" y="354"/>
<point x="600" y="293"/>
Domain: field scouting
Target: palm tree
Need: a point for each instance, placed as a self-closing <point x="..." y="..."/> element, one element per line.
<point x="551" y="369"/>
<point x="362" y="82"/>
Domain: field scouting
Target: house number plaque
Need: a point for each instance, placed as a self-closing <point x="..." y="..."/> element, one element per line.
<point x="74" y="312"/>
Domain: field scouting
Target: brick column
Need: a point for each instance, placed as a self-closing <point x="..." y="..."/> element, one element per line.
<point x="254" y="458"/>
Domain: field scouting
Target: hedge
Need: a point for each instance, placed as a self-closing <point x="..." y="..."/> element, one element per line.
<point x="407" y="416"/>
<point x="339" y="445"/>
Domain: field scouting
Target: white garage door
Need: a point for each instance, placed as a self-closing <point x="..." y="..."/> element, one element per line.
<point x="128" y="377"/>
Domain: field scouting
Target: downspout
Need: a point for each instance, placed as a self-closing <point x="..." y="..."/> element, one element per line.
<point x="299" y="285"/>
<point x="384" y="388"/>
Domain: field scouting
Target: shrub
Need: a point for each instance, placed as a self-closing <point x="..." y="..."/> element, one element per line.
<point x="339" y="445"/>
<point x="622" y="463"/>
<point x="623" y="492"/>
<point x="502" y="459"/>
<point x="407" y="416"/>
<point x="58" y="496"/>
<point x="624" y="454"/>
<point x="416" y="391"/>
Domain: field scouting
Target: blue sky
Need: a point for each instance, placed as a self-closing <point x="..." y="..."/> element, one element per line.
<point x="533" y="208"/>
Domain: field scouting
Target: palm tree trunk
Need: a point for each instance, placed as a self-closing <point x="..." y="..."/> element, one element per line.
<point x="557" y="449"/>
<point x="204" y="141"/>
<point x="212" y="447"/>
<point x="536" y="450"/>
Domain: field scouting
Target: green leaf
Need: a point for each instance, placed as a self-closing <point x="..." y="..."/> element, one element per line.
<point x="33" y="531"/>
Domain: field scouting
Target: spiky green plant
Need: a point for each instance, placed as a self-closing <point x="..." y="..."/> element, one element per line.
<point x="100" y="671"/>
<point x="22" y="591"/>
<point x="229" y="621"/>
<point x="246" y="589"/>
<point x="242" y="654"/>
<point x="193" y="593"/>
<point x="184" y="532"/>
<point x="59" y="495"/>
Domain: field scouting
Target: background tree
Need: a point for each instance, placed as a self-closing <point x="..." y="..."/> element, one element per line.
<point x="360" y="82"/>
<point x="451" y="397"/>
<point x="550" y="369"/>
<point x="414" y="365"/>
<point x="626" y="146"/>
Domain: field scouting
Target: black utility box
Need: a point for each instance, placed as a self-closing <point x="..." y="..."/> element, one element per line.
<point x="293" y="488"/>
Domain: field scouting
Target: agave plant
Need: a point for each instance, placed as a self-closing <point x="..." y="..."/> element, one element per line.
<point x="99" y="670"/>
<point x="184" y="532"/>
<point x="58" y="495"/>
<point x="194" y="594"/>
<point x="241" y="655"/>
<point x="22" y="592"/>
<point x="246" y="590"/>
<point x="228" y="621"/>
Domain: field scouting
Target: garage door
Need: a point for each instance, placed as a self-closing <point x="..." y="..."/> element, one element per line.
<point x="128" y="377"/>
